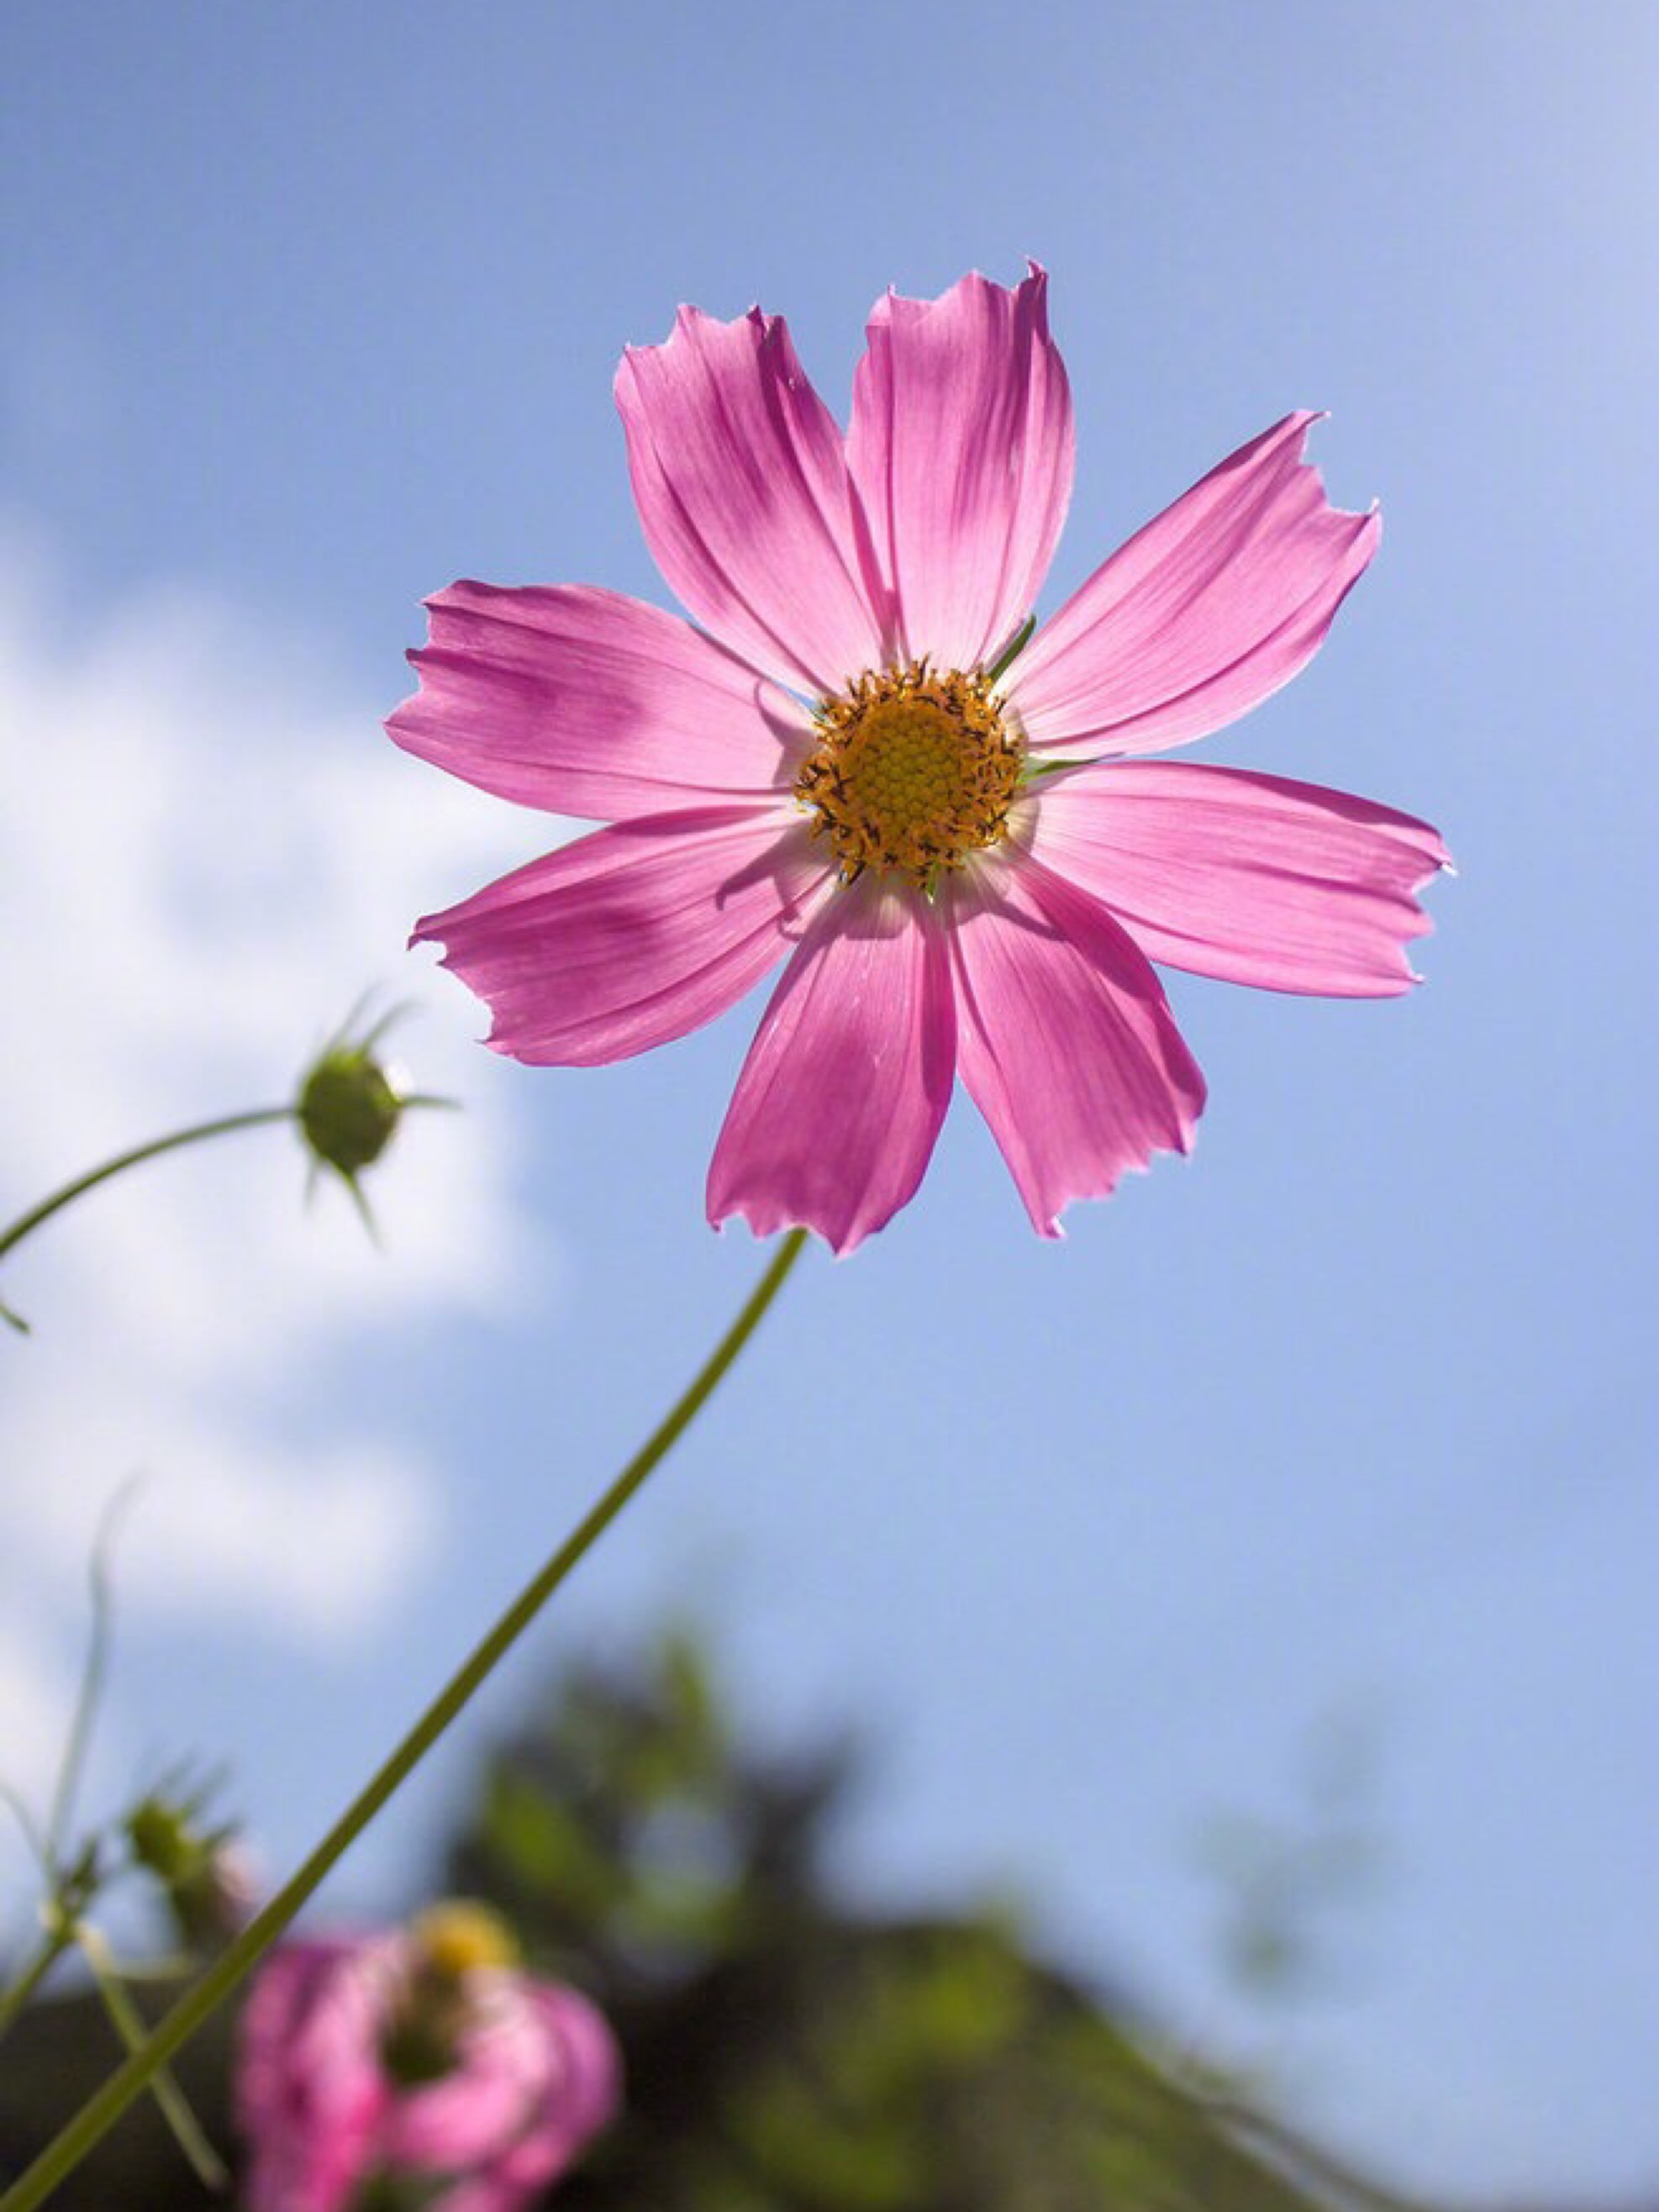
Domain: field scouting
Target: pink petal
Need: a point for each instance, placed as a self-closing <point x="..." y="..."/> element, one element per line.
<point x="961" y="448"/>
<point x="1203" y="613"/>
<point x="1067" y="1045"/>
<point x="505" y="2064"/>
<point x="634" y="934"/>
<point x="845" y="1086"/>
<point x="583" y="701"/>
<point x="310" y="2094"/>
<point x="538" y="2075"/>
<point x="583" y="2091"/>
<point x="1251" y="878"/>
<point x="741" y="481"/>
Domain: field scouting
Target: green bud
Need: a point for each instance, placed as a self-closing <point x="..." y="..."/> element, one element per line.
<point x="349" y="1106"/>
<point x="161" y="1837"/>
<point x="202" y="1874"/>
<point x="349" y="1109"/>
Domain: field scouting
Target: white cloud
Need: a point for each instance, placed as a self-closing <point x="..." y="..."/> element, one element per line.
<point x="207" y="851"/>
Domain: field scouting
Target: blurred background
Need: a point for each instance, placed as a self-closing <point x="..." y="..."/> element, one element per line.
<point x="1252" y="1595"/>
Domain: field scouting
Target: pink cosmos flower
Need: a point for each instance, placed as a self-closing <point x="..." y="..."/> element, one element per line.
<point x="955" y="842"/>
<point x="416" y="2054"/>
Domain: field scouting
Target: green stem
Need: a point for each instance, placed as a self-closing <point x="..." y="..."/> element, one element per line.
<point x="58" y="1939"/>
<point x="257" y="1119"/>
<point x="205" y="2161"/>
<point x="91" y="1682"/>
<point x="65" y="2152"/>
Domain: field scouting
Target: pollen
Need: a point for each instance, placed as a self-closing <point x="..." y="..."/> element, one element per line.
<point x="912" y="771"/>
<point x="458" y="1936"/>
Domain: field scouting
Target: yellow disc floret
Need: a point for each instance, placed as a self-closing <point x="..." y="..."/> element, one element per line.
<point x="455" y="1949"/>
<point x="912" y="771"/>
<point x="458" y="1936"/>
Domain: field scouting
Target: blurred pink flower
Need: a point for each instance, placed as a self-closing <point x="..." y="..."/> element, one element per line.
<point x="415" y="2054"/>
<point x="969" y="866"/>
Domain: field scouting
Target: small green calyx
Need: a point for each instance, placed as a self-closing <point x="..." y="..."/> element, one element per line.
<point x="1009" y="652"/>
<point x="349" y="1106"/>
<point x="199" y="1871"/>
<point x="162" y="1838"/>
<point x="350" y="1110"/>
<point x="1034" y="771"/>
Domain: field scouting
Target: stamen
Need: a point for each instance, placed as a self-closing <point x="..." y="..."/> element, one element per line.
<point x="913" y="772"/>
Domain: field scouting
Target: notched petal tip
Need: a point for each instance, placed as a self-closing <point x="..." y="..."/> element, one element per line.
<point x="1301" y="422"/>
<point x="739" y="474"/>
<point x="465" y="593"/>
<point x="960" y="446"/>
<point x="1068" y="1044"/>
<point x="395" y="723"/>
<point x="1034" y="282"/>
<point x="1248" y="878"/>
<point x="690" y="324"/>
<point x="763" y="1223"/>
<point x="1182" y="1146"/>
<point x="1205" y="612"/>
<point x="847" y="1082"/>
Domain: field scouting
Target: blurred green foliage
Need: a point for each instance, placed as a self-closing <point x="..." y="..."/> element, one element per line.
<point x="784" y="2052"/>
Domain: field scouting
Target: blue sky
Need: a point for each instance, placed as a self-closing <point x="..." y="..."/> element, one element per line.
<point x="306" y="313"/>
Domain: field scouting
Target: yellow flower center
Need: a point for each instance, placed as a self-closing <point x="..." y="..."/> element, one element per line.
<point x="458" y="1936"/>
<point x="452" y="1944"/>
<point x="912" y="772"/>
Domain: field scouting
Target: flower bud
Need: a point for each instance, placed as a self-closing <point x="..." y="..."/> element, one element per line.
<point x="349" y="1106"/>
<point x="204" y="1873"/>
<point x="349" y="1109"/>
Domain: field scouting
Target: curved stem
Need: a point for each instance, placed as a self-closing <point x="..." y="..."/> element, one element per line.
<point x="92" y="1680"/>
<point x="128" y="2022"/>
<point x="57" y="1939"/>
<point x="257" y="1119"/>
<point x="89" y="2124"/>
